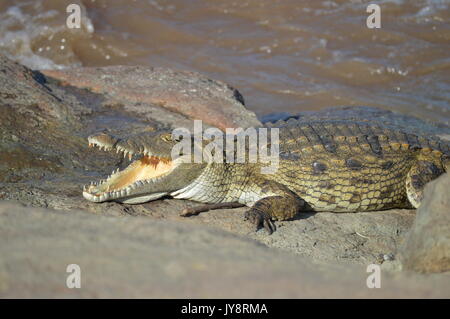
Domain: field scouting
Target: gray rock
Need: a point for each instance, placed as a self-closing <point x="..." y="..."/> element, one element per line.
<point x="427" y="248"/>
<point x="129" y="257"/>
<point x="140" y="88"/>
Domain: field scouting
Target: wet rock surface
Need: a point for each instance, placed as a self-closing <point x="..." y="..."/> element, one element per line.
<point x="45" y="160"/>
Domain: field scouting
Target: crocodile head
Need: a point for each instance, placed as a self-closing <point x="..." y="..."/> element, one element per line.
<point x="152" y="175"/>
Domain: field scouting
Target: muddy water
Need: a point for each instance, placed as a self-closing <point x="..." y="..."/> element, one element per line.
<point x="285" y="55"/>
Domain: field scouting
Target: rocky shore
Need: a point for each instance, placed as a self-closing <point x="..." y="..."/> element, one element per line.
<point x="149" y="250"/>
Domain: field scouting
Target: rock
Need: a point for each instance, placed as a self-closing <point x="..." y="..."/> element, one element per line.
<point x="184" y="92"/>
<point x="427" y="248"/>
<point x="27" y="91"/>
<point x="345" y="237"/>
<point x="130" y="257"/>
<point x="36" y="117"/>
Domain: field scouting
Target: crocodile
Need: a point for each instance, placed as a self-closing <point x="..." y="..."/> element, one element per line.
<point x="334" y="166"/>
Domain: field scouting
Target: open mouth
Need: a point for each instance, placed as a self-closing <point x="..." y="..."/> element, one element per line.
<point x="146" y="169"/>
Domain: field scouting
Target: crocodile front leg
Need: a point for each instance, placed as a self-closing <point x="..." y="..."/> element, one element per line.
<point x="276" y="202"/>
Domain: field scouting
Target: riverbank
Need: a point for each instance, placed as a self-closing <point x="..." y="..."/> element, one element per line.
<point x="149" y="250"/>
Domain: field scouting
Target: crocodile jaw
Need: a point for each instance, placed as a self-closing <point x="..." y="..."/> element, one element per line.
<point x="128" y="185"/>
<point x="153" y="175"/>
<point x="143" y="180"/>
<point x="126" y="200"/>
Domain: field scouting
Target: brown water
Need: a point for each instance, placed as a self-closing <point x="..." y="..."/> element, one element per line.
<point x="283" y="55"/>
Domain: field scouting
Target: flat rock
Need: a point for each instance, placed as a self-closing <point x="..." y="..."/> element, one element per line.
<point x="130" y="257"/>
<point x="358" y="238"/>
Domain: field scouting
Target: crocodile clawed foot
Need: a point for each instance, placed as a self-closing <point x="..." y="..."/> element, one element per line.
<point x="260" y="219"/>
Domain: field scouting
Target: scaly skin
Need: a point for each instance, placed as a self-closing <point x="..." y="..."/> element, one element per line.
<point x="324" y="166"/>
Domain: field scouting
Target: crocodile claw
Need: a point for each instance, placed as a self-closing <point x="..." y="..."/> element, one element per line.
<point x="260" y="219"/>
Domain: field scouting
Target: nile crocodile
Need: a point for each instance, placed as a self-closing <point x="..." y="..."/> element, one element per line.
<point x="332" y="166"/>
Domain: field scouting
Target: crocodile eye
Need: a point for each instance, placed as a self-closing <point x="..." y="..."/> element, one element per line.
<point x="167" y="137"/>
